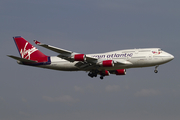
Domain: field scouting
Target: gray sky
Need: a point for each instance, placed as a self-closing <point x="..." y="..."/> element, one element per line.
<point x="90" y="26"/>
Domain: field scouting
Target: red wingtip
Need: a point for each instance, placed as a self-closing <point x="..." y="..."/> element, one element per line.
<point x="37" y="42"/>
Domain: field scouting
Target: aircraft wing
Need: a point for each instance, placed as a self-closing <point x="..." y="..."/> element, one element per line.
<point x="85" y="61"/>
<point x="55" y="49"/>
<point x="65" y="54"/>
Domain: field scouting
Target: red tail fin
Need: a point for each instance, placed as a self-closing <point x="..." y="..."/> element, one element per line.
<point x="28" y="51"/>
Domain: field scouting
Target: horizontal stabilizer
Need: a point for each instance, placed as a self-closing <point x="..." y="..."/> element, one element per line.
<point x="22" y="59"/>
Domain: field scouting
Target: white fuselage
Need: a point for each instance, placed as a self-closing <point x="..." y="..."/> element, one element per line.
<point x="137" y="57"/>
<point x="103" y="64"/>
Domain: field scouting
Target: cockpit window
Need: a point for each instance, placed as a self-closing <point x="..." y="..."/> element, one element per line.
<point x="159" y="50"/>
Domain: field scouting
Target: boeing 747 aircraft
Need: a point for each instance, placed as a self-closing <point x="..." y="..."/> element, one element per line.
<point x="103" y="64"/>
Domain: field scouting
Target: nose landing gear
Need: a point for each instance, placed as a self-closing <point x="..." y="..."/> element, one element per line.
<point x="156" y="71"/>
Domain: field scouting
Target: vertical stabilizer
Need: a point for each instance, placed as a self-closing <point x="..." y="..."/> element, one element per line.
<point x="28" y="51"/>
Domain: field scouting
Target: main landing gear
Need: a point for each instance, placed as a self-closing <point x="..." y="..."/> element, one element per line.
<point x="94" y="74"/>
<point x="156" y="71"/>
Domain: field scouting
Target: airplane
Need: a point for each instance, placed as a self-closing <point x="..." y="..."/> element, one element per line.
<point x="103" y="64"/>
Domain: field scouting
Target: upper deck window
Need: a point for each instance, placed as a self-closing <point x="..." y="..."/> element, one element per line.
<point x="144" y="50"/>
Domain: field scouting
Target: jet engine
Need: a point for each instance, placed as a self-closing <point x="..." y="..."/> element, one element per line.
<point x="120" y="72"/>
<point x="107" y="63"/>
<point x="79" y="57"/>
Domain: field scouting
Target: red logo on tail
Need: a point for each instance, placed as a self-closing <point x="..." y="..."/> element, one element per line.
<point x="28" y="51"/>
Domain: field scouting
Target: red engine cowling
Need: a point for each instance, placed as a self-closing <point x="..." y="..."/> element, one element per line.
<point x="106" y="73"/>
<point x="107" y="63"/>
<point x="79" y="57"/>
<point x="121" y="72"/>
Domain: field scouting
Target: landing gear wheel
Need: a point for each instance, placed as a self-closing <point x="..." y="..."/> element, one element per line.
<point x="156" y="71"/>
<point x="101" y="77"/>
<point x="92" y="74"/>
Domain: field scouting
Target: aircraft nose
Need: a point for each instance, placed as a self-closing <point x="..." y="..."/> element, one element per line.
<point x="170" y="57"/>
